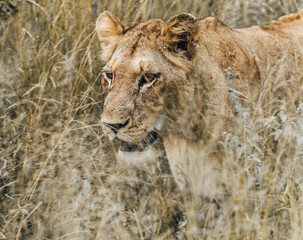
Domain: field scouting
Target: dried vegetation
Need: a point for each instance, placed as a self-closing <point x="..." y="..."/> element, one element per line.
<point x="58" y="175"/>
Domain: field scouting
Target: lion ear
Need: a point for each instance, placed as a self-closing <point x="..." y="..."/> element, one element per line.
<point x="179" y="38"/>
<point x="109" y="30"/>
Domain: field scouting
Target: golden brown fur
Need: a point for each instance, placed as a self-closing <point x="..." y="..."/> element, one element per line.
<point x="169" y="77"/>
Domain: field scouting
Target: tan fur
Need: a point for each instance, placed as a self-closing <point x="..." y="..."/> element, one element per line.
<point x="187" y="104"/>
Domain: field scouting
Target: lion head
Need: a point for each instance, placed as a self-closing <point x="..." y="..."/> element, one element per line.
<point x="145" y="78"/>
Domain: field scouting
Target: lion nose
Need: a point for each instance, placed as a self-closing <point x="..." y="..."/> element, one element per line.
<point x="116" y="126"/>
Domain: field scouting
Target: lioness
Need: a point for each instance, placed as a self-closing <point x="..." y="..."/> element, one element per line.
<point x="167" y="78"/>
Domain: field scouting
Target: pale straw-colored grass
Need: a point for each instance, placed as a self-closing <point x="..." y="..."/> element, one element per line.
<point x="58" y="175"/>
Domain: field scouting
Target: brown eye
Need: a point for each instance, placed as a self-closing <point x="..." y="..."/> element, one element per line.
<point x="148" y="79"/>
<point x="142" y="81"/>
<point x="108" y="76"/>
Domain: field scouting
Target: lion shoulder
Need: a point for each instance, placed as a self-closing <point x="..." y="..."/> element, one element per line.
<point x="284" y="22"/>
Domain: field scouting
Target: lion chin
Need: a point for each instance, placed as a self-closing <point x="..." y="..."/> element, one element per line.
<point x="144" y="152"/>
<point x="137" y="158"/>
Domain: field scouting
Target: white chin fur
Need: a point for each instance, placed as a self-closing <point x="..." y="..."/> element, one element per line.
<point x="159" y="123"/>
<point x="137" y="158"/>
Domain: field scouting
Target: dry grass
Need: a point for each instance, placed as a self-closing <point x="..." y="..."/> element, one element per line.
<point x="58" y="175"/>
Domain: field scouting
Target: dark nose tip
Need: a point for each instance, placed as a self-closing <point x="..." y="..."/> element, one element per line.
<point x="116" y="126"/>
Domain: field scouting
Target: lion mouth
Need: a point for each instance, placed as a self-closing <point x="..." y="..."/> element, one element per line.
<point x="150" y="139"/>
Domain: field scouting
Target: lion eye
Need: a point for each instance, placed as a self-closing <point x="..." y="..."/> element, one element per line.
<point x="108" y="76"/>
<point x="148" y="79"/>
<point x="142" y="81"/>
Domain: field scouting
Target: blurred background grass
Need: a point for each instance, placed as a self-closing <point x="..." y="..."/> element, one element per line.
<point x="58" y="175"/>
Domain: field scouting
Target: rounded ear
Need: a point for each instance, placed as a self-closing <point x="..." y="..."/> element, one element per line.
<point x="109" y="30"/>
<point x="179" y="37"/>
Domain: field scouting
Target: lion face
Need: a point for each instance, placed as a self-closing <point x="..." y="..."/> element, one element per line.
<point x="135" y="98"/>
<point x="145" y="77"/>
